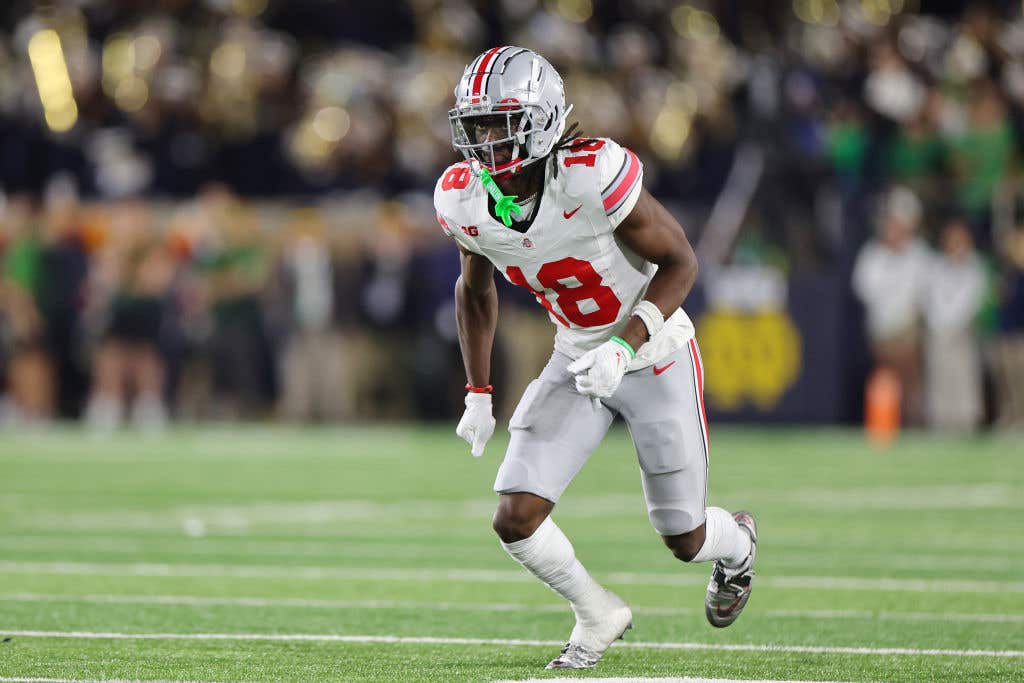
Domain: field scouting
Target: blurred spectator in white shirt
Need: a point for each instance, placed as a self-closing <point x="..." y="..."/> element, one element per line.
<point x="954" y="294"/>
<point x="889" y="277"/>
<point x="314" y="364"/>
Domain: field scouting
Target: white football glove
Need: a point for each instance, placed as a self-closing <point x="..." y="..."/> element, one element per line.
<point x="599" y="371"/>
<point x="477" y="423"/>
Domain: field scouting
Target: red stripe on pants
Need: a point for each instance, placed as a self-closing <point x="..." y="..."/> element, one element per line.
<point x="695" y="354"/>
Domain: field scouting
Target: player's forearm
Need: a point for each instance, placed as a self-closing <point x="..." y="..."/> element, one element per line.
<point x="668" y="289"/>
<point x="476" y="312"/>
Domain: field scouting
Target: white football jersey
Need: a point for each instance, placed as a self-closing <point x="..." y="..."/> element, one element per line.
<point x="569" y="257"/>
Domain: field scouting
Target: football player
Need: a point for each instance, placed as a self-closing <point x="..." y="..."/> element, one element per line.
<point x="569" y="220"/>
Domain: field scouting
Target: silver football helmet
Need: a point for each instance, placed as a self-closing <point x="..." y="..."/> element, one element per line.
<point x="519" y="86"/>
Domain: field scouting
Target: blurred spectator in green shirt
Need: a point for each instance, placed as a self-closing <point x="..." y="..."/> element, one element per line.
<point x="28" y="367"/>
<point x="981" y="157"/>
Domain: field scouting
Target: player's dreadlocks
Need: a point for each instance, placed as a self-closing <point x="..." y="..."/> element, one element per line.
<point x="569" y="142"/>
<point x="570" y="134"/>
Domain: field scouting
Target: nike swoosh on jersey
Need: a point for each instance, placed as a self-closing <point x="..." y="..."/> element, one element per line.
<point x="658" y="371"/>
<point x="570" y="214"/>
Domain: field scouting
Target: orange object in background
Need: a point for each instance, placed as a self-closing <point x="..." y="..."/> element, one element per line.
<point x="882" y="406"/>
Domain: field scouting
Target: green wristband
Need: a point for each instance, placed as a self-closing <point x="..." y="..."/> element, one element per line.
<point x="625" y="344"/>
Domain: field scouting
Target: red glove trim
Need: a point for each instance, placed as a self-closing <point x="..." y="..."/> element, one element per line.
<point x="480" y="390"/>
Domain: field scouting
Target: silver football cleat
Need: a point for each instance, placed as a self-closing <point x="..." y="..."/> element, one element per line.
<point x="729" y="588"/>
<point x="574" y="657"/>
<point x="593" y="634"/>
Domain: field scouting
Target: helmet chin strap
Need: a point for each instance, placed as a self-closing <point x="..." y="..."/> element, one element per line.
<point x="505" y="205"/>
<point x="511" y="167"/>
<point x="565" y="114"/>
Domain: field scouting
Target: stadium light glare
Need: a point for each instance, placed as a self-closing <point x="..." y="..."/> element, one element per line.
<point x="132" y="94"/>
<point x="823" y="12"/>
<point x="683" y="95"/>
<point x="307" y="146"/>
<point x="228" y="61"/>
<point x="249" y="8"/>
<point x="428" y="89"/>
<point x="878" y="12"/>
<point x="331" y="123"/>
<point x="690" y="22"/>
<point x="53" y="81"/>
<point x="118" y="61"/>
<point x="62" y="120"/>
<point x="670" y="132"/>
<point x="576" y="11"/>
<point x="147" y="51"/>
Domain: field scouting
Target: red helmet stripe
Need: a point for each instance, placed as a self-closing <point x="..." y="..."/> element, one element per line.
<point x="482" y="70"/>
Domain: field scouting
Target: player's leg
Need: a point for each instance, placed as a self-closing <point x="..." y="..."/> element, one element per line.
<point x="553" y="431"/>
<point x="666" y="418"/>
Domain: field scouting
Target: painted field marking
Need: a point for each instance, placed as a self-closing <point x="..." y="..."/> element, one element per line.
<point x="197" y="544"/>
<point x="231" y="444"/>
<point x="788" y="547"/>
<point x="432" y="640"/>
<point x="381" y="574"/>
<point x="980" y="496"/>
<point x="315" y="603"/>
<point x="686" y="679"/>
<point x="4" y="679"/>
<point x="18" y="679"/>
<point x="983" y="496"/>
<point x="226" y="517"/>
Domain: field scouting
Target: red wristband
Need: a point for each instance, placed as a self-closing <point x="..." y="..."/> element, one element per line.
<point x="480" y="390"/>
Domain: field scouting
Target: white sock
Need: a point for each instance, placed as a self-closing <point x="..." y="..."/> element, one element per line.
<point x="103" y="412"/>
<point x="549" y="555"/>
<point x="723" y="539"/>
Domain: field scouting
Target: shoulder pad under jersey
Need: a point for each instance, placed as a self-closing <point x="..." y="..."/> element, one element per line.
<point x="453" y="193"/>
<point x="602" y="167"/>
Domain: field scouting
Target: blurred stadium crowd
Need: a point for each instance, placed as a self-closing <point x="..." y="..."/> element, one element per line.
<point x="222" y="208"/>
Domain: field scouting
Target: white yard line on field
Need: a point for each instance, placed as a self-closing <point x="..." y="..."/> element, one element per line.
<point x="220" y="547"/>
<point x="8" y="679"/>
<point x="4" y="679"/>
<point x="979" y="496"/>
<point x="260" y="514"/>
<point x="796" y="546"/>
<point x="381" y="574"/>
<point x="232" y="444"/>
<point x="687" y="679"/>
<point x="276" y="512"/>
<point x="198" y="546"/>
<point x="431" y="640"/>
<point x="314" y="603"/>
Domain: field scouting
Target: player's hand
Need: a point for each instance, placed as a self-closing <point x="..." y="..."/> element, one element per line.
<point x="599" y="371"/>
<point x="477" y="423"/>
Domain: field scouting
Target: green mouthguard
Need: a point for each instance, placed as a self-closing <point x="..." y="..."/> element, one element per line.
<point x="504" y="205"/>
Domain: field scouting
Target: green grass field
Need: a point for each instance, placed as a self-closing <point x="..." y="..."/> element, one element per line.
<point x="261" y="554"/>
